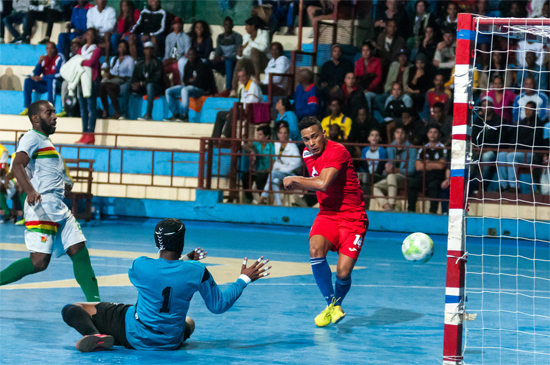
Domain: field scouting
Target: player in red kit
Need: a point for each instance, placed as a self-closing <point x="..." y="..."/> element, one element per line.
<point x="341" y="223"/>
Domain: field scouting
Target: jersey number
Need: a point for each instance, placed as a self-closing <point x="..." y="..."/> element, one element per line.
<point x="166" y="294"/>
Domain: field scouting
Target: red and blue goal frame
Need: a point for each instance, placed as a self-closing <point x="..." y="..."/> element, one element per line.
<point x="462" y="121"/>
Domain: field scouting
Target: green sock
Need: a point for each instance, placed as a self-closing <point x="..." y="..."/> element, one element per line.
<point x="84" y="275"/>
<point x="16" y="271"/>
<point x="4" y="205"/>
<point x="22" y="198"/>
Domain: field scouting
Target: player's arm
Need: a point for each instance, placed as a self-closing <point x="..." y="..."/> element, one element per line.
<point x="317" y="183"/>
<point x="19" y="164"/>
<point x="219" y="302"/>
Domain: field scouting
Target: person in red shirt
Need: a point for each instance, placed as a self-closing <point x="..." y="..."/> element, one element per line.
<point x="437" y="94"/>
<point x="341" y="223"/>
<point x="368" y="70"/>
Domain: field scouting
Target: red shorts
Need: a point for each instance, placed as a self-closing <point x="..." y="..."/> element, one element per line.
<point x="345" y="231"/>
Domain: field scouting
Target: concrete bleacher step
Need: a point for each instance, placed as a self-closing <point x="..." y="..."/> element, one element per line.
<point x="144" y="128"/>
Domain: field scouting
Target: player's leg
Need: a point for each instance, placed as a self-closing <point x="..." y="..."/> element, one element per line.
<point x="19" y="269"/>
<point x="83" y="271"/>
<point x="318" y="249"/>
<point x="74" y="244"/>
<point x="79" y="316"/>
<point x="189" y="328"/>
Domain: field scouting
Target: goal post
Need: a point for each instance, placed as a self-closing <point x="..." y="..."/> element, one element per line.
<point x="483" y="283"/>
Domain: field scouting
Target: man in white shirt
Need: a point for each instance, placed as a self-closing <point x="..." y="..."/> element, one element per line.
<point x="102" y="18"/>
<point x="531" y="93"/>
<point x="253" y="52"/>
<point x="249" y="93"/>
<point x="445" y="53"/>
<point x="278" y="64"/>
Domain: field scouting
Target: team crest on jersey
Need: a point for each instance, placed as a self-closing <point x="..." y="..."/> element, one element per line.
<point x="43" y="239"/>
<point x="306" y="154"/>
<point x="314" y="172"/>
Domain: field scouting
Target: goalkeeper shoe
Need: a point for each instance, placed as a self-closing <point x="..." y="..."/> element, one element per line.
<point x="20" y="223"/>
<point x="337" y="314"/>
<point x="95" y="342"/>
<point x="325" y="317"/>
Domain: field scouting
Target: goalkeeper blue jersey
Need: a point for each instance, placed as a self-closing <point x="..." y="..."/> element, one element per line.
<point x="165" y="289"/>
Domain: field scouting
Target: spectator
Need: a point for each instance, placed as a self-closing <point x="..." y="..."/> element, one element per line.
<point x="545" y="178"/>
<point x="335" y="133"/>
<point x="45" y="77"/>
<point x="352" y="95"/>
<point x="444" y="121"/>
<point x="397" y="102"/>
<point x="531" y="93"/>
<point x="526" y="135"/>
<point x="482" y="8"/>
<point x="402" y="165"/>
<point x="438" y="94"/>
<point x="70" y="104"/>
<point x="502" y="97"/>
<point x="305" y="96"/>
<point x="127" y="18"/>
<point x="389" y="43"/>
<point x="284" y="108"/>
<point x="516" y="9"/>
<point x="278" y="64"/>
<point x="431" y="164"/>
<point x="536" y="9"/>
<point x="419" y="23"/>
<point x="253" y="53"/>
<point x="333" y="72"/>
<point x="149" y="28"/>
<point x="225" y="55"/>
<point x="487" y="130"/>
<point x="532" y="70"/>
<point x="369" y="71"/>
<point x="399" y="72"/>
<point x="49" y="12"/>
<point x="419" y="81"/>
<point x="147" y="78"/>
<point x="427" y="45"/>
<point x="201" y="39"/>
<point x="360" y="130"/>
<point x="117" y="82"/>
<point x="336" y="117"/>
<point x="88" y="105"/>
<point x="393" y="12"/>
<point x="372" y="169"/>
<point x="495" y="68"/>
<point x="198" y="80"/>
<point x="286" y="164"/>
<point x="249" y="93"/>
<point x="414" y="127"/>
<point x="445" y="54"/>
<point x="449" y="22"/>
<point x="260" y="160"/>
<point x="18" y="16"/>
<point x="103" y="18"/>
<point x="78" y="23"/>
<point x="177" y="45"/>
<point x="283" y="13"/>
<point x="318" y="13"/>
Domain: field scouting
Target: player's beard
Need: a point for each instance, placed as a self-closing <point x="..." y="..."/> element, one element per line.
<point x="47" y="129"/>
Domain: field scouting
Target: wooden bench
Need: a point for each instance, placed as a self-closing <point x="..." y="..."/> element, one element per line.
<point x="81" y="171"/>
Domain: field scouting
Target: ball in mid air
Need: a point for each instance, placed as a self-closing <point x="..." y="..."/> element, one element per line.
<point x="418" y="247"/>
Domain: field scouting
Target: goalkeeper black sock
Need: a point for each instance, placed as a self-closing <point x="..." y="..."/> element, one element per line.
<point x="76" y="317"/>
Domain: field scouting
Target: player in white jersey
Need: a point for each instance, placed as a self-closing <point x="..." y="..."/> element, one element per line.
<point x="40" y="170"/>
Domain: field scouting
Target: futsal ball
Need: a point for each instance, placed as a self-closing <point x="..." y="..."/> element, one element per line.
<point x="418" y="247"/>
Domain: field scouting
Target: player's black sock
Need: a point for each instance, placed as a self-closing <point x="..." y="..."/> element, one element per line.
<point x="76" y="317"/>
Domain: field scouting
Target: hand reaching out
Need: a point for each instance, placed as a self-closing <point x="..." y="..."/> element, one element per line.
<point x="255" y="271"/>
<point x="197" y="254"/>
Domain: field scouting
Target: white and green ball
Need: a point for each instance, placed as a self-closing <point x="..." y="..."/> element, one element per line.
<point x="418" y="247"/>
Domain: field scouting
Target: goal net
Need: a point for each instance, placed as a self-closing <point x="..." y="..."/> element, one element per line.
<point x="497" y="303"/>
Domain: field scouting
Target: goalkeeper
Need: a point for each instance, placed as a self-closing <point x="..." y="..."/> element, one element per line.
<point x="165" y="287"/>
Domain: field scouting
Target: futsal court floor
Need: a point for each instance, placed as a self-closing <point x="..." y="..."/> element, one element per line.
<point x="394" y="309"/>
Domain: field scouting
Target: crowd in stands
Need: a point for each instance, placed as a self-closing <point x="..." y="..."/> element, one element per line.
<point x="398" y="93"/>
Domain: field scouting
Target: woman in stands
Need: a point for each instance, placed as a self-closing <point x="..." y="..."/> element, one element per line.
<point x="88" y="105"/>
<point x="128" y="17"/>
<point x="201" y="39"/>
<point x="284" y="107"/>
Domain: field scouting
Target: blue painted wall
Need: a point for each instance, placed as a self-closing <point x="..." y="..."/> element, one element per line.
<point x="21" y="54"/>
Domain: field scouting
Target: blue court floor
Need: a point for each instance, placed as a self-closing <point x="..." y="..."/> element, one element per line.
<point x="394" y="309"/>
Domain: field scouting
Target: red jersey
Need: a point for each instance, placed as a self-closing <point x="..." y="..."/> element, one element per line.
<point x="344" y="194"/>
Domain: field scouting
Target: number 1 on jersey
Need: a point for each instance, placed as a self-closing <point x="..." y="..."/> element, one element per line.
<point x="167" y="295"/>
